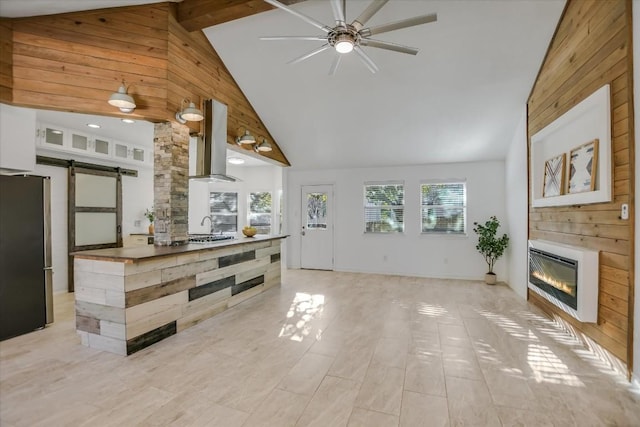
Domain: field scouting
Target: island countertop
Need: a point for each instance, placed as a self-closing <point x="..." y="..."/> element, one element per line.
<point x="130" y="298"/>
<point x="141" y="253"/>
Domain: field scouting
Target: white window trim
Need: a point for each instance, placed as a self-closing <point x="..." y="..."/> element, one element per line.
<point x="444" y="233"/>
<point x="394" y="207"/>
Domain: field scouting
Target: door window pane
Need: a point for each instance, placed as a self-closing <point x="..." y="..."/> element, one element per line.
<point x="95" y="191"/>
<point x="95" y="228"/>
<point x="317" y="211"/>
<point x="224" y="212"/>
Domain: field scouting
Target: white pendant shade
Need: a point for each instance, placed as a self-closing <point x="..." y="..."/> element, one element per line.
<point x="122" y="100"/>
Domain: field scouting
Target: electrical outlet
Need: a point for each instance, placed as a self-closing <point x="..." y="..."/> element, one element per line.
<point x="137" y="223"/>
<point x="624" y="212"/>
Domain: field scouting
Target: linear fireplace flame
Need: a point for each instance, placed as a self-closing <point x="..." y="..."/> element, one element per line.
<point x="558" y="284"/>
<point x="567" y="276"/>
<point x="555" y="275"/>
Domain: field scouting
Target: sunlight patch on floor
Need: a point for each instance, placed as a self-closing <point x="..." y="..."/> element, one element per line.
<point x="304" y="308"/>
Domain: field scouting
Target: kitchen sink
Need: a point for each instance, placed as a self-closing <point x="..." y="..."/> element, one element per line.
<point x="208" y="238"/>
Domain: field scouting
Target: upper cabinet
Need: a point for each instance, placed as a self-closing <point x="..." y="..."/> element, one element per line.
<point x="58" y="138"/>
<point x="17" y="139"/>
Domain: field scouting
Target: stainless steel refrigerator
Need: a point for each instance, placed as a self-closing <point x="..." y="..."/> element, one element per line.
<point x="26" y="288"/>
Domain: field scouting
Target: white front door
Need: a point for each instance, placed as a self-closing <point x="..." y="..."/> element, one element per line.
<point x="316" y="236"/>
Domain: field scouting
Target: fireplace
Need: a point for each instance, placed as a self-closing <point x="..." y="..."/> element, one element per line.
<point x="555" y="275"/>
<point x="566" y="276"/>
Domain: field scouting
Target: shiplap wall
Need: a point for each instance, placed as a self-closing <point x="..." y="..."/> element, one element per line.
<point x="74" y="61"/>
<point x="591" y="48"/>
<point x="6" y="62"/>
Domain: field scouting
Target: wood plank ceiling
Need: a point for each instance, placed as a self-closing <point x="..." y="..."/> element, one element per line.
<point x="196" y="15"/>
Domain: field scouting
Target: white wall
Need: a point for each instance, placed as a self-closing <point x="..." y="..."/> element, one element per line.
<point x="636" y="106"/>
<point x="515" y="178"/>
<point x="253" y="179"/>
<point x="409" y="253"/>
<point x="137" y="196"/>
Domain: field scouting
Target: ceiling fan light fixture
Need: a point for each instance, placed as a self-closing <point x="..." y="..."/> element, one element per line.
<point x="344" y="44"/>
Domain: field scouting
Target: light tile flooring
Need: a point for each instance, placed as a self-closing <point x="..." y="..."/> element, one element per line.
<point x="326" y="349"/>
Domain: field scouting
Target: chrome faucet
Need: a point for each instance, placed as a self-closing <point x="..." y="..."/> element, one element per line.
<point x="210" y="220"/>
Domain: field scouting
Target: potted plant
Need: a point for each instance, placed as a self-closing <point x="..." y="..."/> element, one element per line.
<point x="490" y="246"/>
<point x="150" y="215"/>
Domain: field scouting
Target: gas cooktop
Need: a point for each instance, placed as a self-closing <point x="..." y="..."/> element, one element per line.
<point x="207" y="238"/>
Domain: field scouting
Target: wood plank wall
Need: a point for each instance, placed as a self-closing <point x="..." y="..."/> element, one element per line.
<point x="74" y="61"/>
<point x="195" y="66"/>
<point x="591" y="48"/>
<point x="6" y="61"/>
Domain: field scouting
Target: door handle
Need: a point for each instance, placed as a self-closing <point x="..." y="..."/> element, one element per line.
<point x="303" y="233"/>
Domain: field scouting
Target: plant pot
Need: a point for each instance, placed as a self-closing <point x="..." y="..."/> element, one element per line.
<point x="151" y="228"/>
<point x="490" y="278"/>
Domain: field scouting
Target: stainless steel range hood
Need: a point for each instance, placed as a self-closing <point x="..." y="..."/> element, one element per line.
<point x="211" y="164"/>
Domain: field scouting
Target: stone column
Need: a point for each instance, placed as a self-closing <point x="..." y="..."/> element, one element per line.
<point x="171" y="183"/>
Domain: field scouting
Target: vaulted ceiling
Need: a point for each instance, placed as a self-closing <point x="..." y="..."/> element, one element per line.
<point x="459" y="99"/>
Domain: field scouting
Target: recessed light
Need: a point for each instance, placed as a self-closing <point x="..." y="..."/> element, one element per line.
<point x="93" y="125"/>
<point x="235" y="160"/>
<point x="128" y="121"/>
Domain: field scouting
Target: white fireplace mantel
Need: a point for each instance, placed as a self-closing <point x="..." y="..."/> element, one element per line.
<point x="588" y="268"/>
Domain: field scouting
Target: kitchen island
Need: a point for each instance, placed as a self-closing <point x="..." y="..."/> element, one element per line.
<point x="130" y="298"/>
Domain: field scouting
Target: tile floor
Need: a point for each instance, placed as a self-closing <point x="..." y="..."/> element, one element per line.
<point x="326" y="349"/>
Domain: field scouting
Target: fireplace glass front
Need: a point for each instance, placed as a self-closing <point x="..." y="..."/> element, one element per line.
<point x="556" y="275"/>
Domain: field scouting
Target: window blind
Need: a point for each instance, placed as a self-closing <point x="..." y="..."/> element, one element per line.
<point x="444" y="207"/>
<point x="384" y="207"/>
<point x="224" y="212"/>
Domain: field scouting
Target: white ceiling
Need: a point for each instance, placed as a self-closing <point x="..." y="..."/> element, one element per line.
<point x="458" y="100"/>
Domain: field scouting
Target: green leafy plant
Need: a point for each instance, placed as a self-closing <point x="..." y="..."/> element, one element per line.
<point x="489" y="245"/>
<point x="150" y="214"/>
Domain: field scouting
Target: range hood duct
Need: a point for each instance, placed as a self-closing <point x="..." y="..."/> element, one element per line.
<point x="211" y="164"/>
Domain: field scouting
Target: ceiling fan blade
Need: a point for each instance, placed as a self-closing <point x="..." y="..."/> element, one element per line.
<point x="365" y="59"/>
<point x="310" y="54"/>
<point x="338" y="11"/>
<point x="320" y="38"/>
<point x="389" y="46"/>
<point x="334" y="65"/>
<point x="302" y="16"/>
<point x="385" y="28"/>
<point x="366" y="14"/>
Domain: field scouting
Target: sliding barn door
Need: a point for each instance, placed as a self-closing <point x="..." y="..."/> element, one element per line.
<point x="95" y="211"/>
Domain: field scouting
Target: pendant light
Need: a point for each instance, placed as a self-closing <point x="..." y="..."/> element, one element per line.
<point x="122" y="100"/>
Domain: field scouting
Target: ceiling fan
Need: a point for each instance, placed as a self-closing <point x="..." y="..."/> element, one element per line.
<point x="344" y="37"/>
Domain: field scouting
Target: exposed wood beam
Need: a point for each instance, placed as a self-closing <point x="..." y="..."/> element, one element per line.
<point x="196" y="15"/>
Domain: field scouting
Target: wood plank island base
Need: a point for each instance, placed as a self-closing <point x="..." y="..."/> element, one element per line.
<point x="130" y="298"/>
